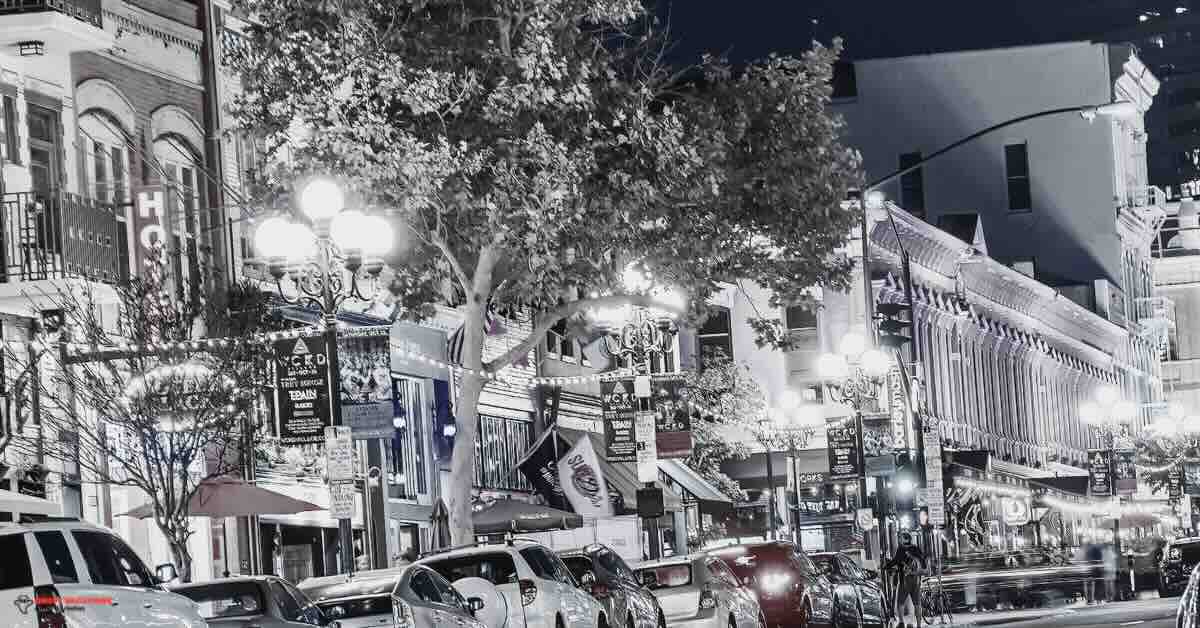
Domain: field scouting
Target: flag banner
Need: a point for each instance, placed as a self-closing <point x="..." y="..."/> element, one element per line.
<point x="1175" y="482"/>
<point x="582" y="481"/>
<point x="302" y="390"/>
<point x="844" y="463"/>
<point x="1125" y="472"/>
<point x="540" y="467"/>
<point x="673" y="422"/>
<point x="618" y="406"/>
<point x="1191" y="478"/>
<point x="1099" y="465"/>
<point x="365" y="381"/>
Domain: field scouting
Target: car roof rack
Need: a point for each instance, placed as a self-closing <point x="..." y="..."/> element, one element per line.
<point x="32" y="518"/>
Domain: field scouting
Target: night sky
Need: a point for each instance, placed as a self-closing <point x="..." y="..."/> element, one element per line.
<point x="750" y="29"/>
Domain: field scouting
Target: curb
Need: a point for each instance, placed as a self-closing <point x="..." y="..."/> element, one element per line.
<point x="1012" y="619"/>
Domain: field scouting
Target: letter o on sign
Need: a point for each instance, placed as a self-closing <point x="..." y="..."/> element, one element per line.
<point x="151" y="234"/>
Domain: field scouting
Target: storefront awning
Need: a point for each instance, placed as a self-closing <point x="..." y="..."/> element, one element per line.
<point x="751" y="472"/>
<point x="692" y="482"/>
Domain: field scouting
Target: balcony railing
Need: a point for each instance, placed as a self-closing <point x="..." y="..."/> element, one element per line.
<point x="1156" y="320"/>
<point x="55" y="236"/>
<point x="83" y="10"/>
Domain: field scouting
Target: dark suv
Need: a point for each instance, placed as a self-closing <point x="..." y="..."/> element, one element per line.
<point x="1178" y="558"/>
<point x="606" y="576"/>
<point x="791" y="590"/>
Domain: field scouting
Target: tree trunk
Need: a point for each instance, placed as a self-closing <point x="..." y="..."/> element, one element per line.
<point x="466" y="413"/>
<point x="177" y="537"/>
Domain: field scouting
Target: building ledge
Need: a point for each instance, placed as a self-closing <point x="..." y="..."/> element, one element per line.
<point x="60" y="34"/>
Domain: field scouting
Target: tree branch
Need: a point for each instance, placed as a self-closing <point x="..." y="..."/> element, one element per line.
<point x="550" y="318"/>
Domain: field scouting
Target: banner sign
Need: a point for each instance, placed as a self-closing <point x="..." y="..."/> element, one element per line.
<point x="618" y="405"/>
<point x="1191" y="478"/>
<point x="673" y="421"/>
<point x="365" y="381"/>
<point x="647" y="446"/>
<point x="582" y="481"/>
<point x="898" y="405"/>
<point x="1174" y="482"/>
<point x="540" y="467"/>
<point x="302" y="390"/>
<point x="149" y="210"/>
<point x="844" y="463"/>
<point x="1098" y="468"/>
<point x="339" y="454"/>
<point x="1125" y="472"/>
<point x="879" y="439"/>
<point x="934" y="494"/>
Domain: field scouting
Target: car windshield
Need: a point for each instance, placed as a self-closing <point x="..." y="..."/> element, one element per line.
<point x="225" y="599"/>
<point x="340" y="590"/>
<point x="824" y="563"/>
<point x="578" y="565"/>
<point x="750" y="562"/>
<point x="669" y="576"/>
<point x="497" y="568"/>
<point x="359" y="607"/>
<point x="1188" y="552"/>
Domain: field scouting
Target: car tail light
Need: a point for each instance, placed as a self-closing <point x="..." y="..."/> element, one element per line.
<point x="708" y="601"/>
<point x="528" y="592"/>
<point x="50" y="612"/>
<point x="600" y="591"/>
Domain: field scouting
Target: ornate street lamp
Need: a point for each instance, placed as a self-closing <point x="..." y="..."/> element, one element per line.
<point x="640" y="333"/>
<point x="791" y="428"/>
<point x="1108" y="415"/>
<point x="326" y="265"/>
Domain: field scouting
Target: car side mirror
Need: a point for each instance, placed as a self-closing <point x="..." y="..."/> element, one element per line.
<point x="475" y="604"/>
<point x="649" y="579"/>
<point x="587" y="579"/>
<point x="166" y="572"/>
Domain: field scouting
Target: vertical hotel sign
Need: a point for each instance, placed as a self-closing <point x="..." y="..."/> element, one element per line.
<point x="148" y="219"/>
<point x="898" y="407"/>
<point x="301" y="390"/>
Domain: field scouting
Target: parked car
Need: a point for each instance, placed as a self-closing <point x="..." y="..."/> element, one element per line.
<point x="699" y="591"/>
<point x="615" y="586"/>
<point x="539" y="588"/>
<point x="65" y="572"/>
<point x="1187" y="615"/>
<point x="410" y="596"/>
<point x="263" y="601"/>
<point x="1179" y="557"/>
<point x="857" y="596"/>
<point x="790" y="588"/>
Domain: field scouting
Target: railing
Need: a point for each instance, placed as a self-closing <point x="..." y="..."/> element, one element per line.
<point x="1156" y="320"/>
<point x="54" y="236"/>
<point x="1145" y="207"/>
<point x="83" y="10"/>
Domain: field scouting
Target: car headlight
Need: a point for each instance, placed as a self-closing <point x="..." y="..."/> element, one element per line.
<point x="1174" y="554"/>
<point x="775" y="582"/>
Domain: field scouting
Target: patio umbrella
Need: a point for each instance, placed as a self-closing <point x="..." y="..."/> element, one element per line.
<point x="441" y="525"/>
<point x="509" y="515"/>
<point x="232" y="497"/>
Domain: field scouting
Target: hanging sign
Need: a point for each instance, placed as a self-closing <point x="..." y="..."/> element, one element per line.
<point x="341" y="500"/>
<point x="935" y="499"/>
<point x="617" y="406"/>
<point x="149" y="209"/>
<point x="1191" y="478"/>
<point x="302" y="390"/>
<point x="673" y="422"/>
<point x="1174" y="482"/>
<point x="1125" y="472"/>
<point x="647" y="447"/>
<point x="1098" y="472"/>
<point x="365" y="381"/>
<point x="339" y="454"/>
<point x="844" y="463"/>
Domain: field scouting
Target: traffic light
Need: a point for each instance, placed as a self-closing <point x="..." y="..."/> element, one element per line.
<point x="895" y="323"/>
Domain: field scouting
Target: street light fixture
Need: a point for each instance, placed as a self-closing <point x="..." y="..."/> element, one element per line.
<point x="1108" y="414"/>
<point x="326" y="264"/>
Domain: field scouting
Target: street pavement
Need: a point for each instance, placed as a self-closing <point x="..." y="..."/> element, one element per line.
<point x="1150" y="613"/>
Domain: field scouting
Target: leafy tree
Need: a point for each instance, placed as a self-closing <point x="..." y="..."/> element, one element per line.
<point x="730" y="401"/>
<point x="162" y="419"/>
<point x="530" y="151"/>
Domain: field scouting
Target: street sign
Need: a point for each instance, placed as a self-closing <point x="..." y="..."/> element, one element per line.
<point x="647" y="447"/>
<point x="1098" y="470"/>
<point x="843" y="451"/>
<point x="339" y="454"/>
<point x="341" y="500"/>
<point x="935" y="499"/>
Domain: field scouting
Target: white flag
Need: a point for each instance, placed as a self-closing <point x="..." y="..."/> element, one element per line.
<point x="583" y="481"/>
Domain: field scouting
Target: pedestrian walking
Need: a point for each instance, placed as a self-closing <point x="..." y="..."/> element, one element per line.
<point x="1094" y="557"/>
<point x="907" y="564"/>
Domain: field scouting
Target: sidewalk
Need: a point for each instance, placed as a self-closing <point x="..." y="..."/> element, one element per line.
<point x="997" y="618"/>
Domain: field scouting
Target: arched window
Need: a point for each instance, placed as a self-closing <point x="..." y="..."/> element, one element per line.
<point x="178" y="169"/>
<point x="105" y="159"/>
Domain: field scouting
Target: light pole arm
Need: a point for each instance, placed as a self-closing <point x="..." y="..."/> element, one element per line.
<point x="995" y="127"/>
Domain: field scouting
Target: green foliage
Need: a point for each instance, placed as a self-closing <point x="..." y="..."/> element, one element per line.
<point x="527" y="151"/>
<point x="732" y="404"/>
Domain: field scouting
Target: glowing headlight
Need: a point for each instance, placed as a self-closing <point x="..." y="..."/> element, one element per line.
<point x="775" y="581"/>
<point x="1174" y="554"/>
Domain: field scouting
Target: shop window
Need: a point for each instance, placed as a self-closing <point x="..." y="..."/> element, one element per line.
<point x="499" y="446"/>
<point x="406" y="458"/>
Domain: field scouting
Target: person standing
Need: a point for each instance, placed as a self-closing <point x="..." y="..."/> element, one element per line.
<point x="907" y="563"/>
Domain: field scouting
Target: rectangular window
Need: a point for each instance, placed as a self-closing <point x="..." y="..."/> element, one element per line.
<point x="801" y="317"/>
<point x="559" y="344"/>
<point x="407" y="454"/>
<point x="715" y="336"/>
<point x="100" y="164"/>
<point x="15" y="572"/>
<point x="912" y="185"/>
<point x="58" y="557"/>
<point x="1016" y="166"/>
<point x="498" y="448"/>
<point x="12" y="139"/>
<point x="118" y="174"/>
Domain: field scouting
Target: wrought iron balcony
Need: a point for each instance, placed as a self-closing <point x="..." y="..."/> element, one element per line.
<point x="88" y="11"/>
<point x="1156" y="320"/>
<point x="55" y="236"/>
